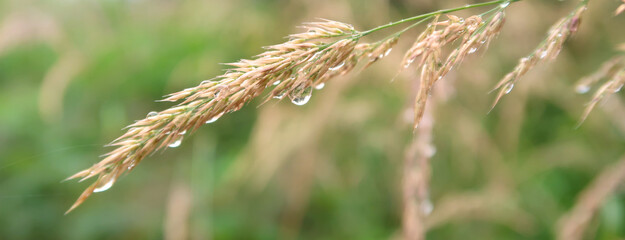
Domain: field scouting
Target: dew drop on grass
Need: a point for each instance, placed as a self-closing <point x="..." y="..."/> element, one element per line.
<point x="337" y="67"/>
<point x="276" y="82"/>
<point x="176" y="143"/>
<point x="105" y="186"/>
<point x="387" y="51"/>
<point x="504" y="4"/>
<point x="320" y="86"/>
<point x="426" y="206"/>
<point x="618" y="89"/>
<point x="429" y="151"/>
<point x="472" y="50"/>
<point x="215" y="118"/>
<point x="279" y="95"/>
<point x="508" y="88"/>
<point x="408" y="62"/>
<point x="131" y="166"/>
<point x="301" y="96"/>
<point x="543" y="54"/>
<point x="183" y="132"/>
<point x="582" y="88"/>
<point x="152" y="114"/>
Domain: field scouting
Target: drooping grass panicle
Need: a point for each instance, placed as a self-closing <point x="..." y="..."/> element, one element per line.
<point x="294" y="67"/>
<point x="427" y="51"/>
<point x="549" y="48"/>
<point x="613" y="72"/>
<point x="304" y="62"/>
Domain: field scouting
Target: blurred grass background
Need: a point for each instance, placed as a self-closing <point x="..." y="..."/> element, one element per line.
<point x="73" y="73"/>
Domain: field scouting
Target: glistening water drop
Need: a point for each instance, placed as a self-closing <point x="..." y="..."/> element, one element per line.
<point x="105" y="186"/>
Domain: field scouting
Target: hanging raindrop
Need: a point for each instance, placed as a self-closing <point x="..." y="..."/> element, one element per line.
<point x="279" y="95"/>
<point x="618" y="88"/>
<point x="387" y="51"/>
<point x="215" y="118"/>
<point x="176" y="143"/>
<point x="301" y="96"/>
<point x="105" y="186"/>
<point x="426" y="206"/>
<point x="582" y="88"/>
<point x="320" y="86"/>
<point x="337" y="67"/>
<point x="508" y="88"/>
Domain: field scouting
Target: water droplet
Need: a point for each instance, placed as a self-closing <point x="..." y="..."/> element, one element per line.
<point x="276" y="82"/>
<point x="183" y="132"/>
<point x="408" y="62"/>
<point x="429" y="151"/>
<point x="205" y="82"/>
<point x="387" y="51"/>
<point x="215" y="118"/>
<point x="152" y="114"/>
<point x="543" y="54"/>
<point x="320" y="86"/>
<point x="504" y="4"/>
<point x="279" y="95"/>
<point x="176" y="143"/>
<point x="337" y="67"/>
<point x="582" y="88"/>
<point x="105" y="186"/>
<point x="301" y="96"/>
<point x="426" y="206"/>
<point x="314" y="56"/>
<point x="472" y="50"/>
<point x="618" y="88"/>
<point x="508" y="88"/>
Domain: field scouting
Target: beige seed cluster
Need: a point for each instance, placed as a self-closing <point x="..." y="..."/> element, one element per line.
<point x="326" y="49"/>
<point x="613" y="71"/>
<point x="293" y="69"/>
<point x="548" y="49"/>
<point x="427" y="50"/>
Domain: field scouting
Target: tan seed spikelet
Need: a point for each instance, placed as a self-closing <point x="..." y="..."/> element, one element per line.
<point x="305" y="60"/>
<point x="549" y="48"/>
<point x="620" y="8"/>
<point x="427" y="50"/>
<point x="614" y="73"/>
<point x="382" y="50"/>
<point x="607" y="70"/>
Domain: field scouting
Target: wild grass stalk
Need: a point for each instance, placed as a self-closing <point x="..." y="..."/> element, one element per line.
<point x="326" y="49"/>
<point x="293" y="69"/>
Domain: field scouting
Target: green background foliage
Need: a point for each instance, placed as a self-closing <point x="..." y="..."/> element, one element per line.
<point x="73" y="73"/>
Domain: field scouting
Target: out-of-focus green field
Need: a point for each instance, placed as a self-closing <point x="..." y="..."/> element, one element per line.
<point x="74" y="73"/>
